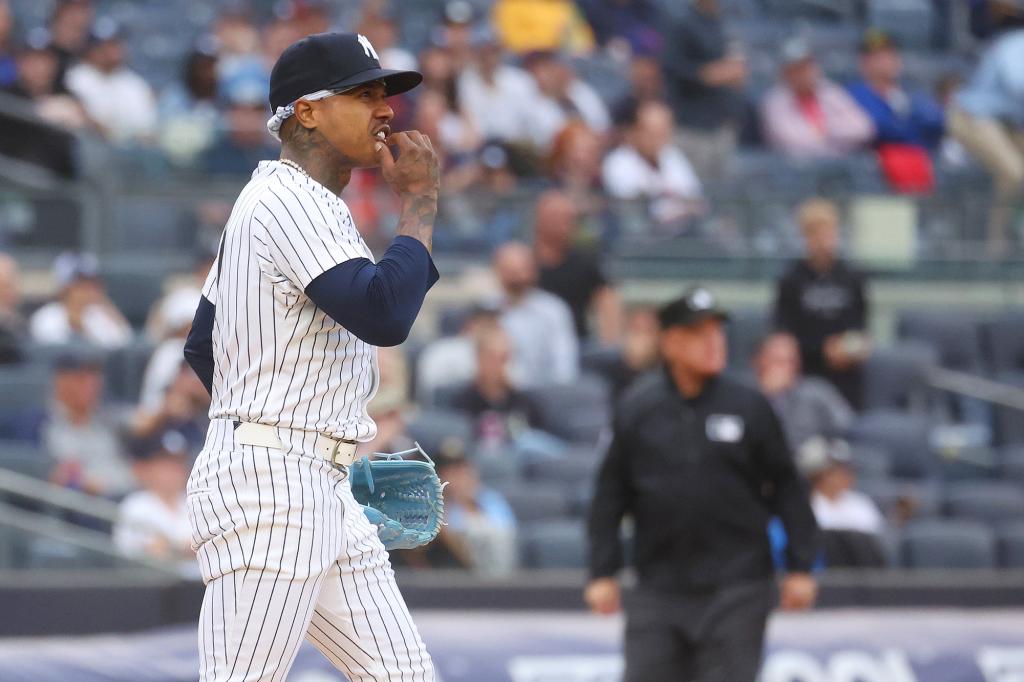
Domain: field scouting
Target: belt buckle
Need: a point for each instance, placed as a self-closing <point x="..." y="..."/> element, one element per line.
<point x="334" y="453"/>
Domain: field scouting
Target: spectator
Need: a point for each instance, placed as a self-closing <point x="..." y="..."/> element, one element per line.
<point x="624" y="26"/>
<point x="380" y="29"/>
<point x="808" y="407"/>
<point x="705" y="76"/>
<point x="574" y="165"/>
<point x="69" y="34"/>
<point x="177" y="311"/>
<point x="36" y="81"/>
<point x="545" y="349"/>
<point x="497" y="98"/>
<point x="183" y="407"/>
<point x="500" y="411"/>
<point x="821" y="301"/>
<point x="117" y="99"/>
<point x="850" y="521"/>
<point x="649" y="166"/>
<point x="277" y="36"/>
<point x="158" y="325"/>
<point x="456" y="34"/>
<point x="807" y="115"/>
<point x="645" y="83"/>
<point x="562" y="98"/>
<point x="480" y="529"/>
<point x="152" y="523"/>
<point x="452" y="132"/>
<point x="8" y="68"/>
<point x="189" y="113"/>
<point x="529" y="25"/>
<point x="82" y="310"/>
<point x="451" y="360"/>
<point x="988" y="119"/>
<point x="80" y="436"/>
<point x="907" y="124"/>
<point x="12" y="324"/>
<point x="245" y="142"/>
<point x="639" y="350"/>
<point x="573" y="274"/>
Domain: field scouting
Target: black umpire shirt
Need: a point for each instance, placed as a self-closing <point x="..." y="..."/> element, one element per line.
<point x="701" y="478"/>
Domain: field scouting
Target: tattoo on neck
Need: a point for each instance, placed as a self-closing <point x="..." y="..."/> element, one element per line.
<point x="314" y="153"/>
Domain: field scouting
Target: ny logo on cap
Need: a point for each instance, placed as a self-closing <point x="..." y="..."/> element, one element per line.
<point x="367" y="47"/>
<point x="701" y="299"/>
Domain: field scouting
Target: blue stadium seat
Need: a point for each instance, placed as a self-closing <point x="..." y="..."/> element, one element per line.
<point x="895" y="497"/>
<point x="1003" y="342"/>
<point x="904" y="436"/>
<point x="134" y="291"/>
<point x="948" y="544"/>
<point x="909" y="21"/>
<point x="990" y="501"/>
<point x="578" y="412"/>
<point x="895" y="377"/>
<point x="124" y="369"/>
<point x="553" y="544"/>
<point x="953" y="334"/>
<point x="970" y="463"/>
<point x="1011" y="544"/>
<point x="24" y="458"/>
<point x="25" y="386"/>
<point x="870" y="462"/>
<point x="534" y="501"/>
<point x="577" y="464"/>
<point x="1011" y="463"/>
<point x="432" y="427"/>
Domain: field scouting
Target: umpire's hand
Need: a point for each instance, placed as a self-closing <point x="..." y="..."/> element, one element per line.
<point x="798" y="592"/>
<point x="603" y="596"/>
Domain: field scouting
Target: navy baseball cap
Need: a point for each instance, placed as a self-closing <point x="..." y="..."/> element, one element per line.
<point x="332" y="61"/>
<point x="695" y="305"/>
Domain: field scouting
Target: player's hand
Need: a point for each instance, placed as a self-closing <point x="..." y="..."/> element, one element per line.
<point x="603" y="596"/>
<point x="798" y="592"/>
<point x="416" y="173"/>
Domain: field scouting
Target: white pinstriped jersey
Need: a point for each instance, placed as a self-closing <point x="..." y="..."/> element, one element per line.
<point x="280" y="360"/>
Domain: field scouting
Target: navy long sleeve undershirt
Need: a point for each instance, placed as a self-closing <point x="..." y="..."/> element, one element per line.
<point x="376" y="302"/>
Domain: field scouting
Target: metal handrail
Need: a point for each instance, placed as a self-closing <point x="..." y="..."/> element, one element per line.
<point x="48" y="493"/>
<point x="48" y="526"/>
<point x="974" y="386"/>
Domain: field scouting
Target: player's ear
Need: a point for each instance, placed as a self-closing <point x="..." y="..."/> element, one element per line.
<point x="305" y="114"/>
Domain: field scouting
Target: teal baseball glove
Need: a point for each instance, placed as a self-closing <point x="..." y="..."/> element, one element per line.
<point x="403" y="498"/>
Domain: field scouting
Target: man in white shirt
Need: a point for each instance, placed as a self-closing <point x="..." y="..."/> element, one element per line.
<point x="562" y="98"/>
<point x="649" y="166"/>
<point x="451" y="360"/>
<point x="116" y="98"/>
<point x="498" y="98"/>
<point x="545" y="349"/>
<point x="153" y="522"/>
<point x="837" y="506"/>
<point x="82" y="311"/>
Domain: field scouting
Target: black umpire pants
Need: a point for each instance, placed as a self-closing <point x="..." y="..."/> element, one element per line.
<point x="705" y="637"/>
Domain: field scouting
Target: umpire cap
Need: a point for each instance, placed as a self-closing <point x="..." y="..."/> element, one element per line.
<point x="332" y="61"/>
<point x="696" y="304"/>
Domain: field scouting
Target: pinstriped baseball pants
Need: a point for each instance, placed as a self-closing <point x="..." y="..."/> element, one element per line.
<point x="286" y="553"/>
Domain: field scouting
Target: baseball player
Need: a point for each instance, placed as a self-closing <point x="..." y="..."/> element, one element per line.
<point x="285" y="339"/>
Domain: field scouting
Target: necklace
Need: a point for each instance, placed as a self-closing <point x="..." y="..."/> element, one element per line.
<point x="289" y="162"/>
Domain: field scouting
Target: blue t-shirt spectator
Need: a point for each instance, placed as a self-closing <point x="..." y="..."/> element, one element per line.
<point x="900" y="117"/>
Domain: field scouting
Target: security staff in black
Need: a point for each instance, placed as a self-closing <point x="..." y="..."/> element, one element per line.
<point x="700" y="463"/>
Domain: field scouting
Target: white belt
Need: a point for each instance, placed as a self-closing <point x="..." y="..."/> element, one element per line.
<point x="340" y="452"/>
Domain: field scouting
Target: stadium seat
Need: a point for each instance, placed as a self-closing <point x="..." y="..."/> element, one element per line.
<point x="1007" y="421"/>
<point x="896" y="377"/>
<point x="903" y="498"/>
<point x="1011" y="544"/>
<point x="124" y="369"/>
<point x="1003" y="342"/>
<point x="134" y="291"/>
<point x="904" y="436"/>
<point x="553" y="544"/>
<point x="24" y="458"/>
<point x="745" y="330"/>
<point x="870" y="462"/>
<point x="578" y="412"/>
<point x="432" y="427"/>
<point x="948" y="544"/>
<point x="25" y="386"/>
<point x="908" y="21"/>
<point x="577" y="464"/>
<point x="969" y="463"/>
<point x="1011" y="463"/>
<point x="990" y="501"/>
<point x="602" y="361"/>
<point x="953" y="334"/>
<point x="533" y="501"/>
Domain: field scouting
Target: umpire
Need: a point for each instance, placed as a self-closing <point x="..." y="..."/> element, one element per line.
<point x="700" y="463"/>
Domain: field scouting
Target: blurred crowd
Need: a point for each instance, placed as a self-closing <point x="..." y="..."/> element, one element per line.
<point x="506" y="102"/>
<point x="511" y="99"/>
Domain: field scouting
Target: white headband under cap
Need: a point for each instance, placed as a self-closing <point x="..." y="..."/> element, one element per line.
<point x="283" y="113"/>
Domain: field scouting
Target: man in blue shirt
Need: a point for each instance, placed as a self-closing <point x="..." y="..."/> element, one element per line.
<point x="988" y="120"/>
<point x="900" y="117"/>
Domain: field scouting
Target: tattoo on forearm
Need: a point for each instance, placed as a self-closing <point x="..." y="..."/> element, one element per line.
<point x="417" y="219"/>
